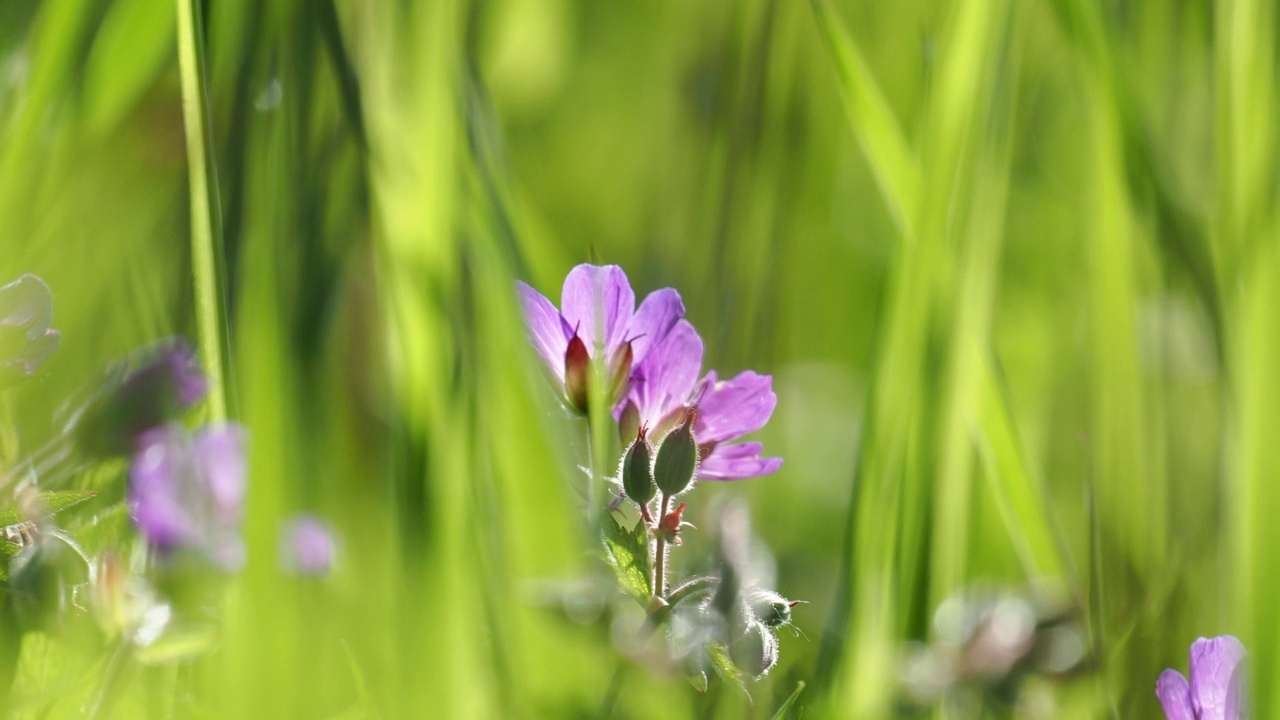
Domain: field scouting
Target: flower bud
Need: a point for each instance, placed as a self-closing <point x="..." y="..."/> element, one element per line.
<point x="771" y="608"/>
<point x="629" y="422"/>
<point x="307" y="546"/>
<point x="677" y="458"/>
<point x="637" y="470"/>
<point x="620" y="372"/>
<point x="577" y="372"/>
<point x="148" y="389"/>
<point x="755" y="652"/>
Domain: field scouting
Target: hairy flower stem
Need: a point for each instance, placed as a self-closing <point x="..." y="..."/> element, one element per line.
<point x="207" y="260"/>
<point x="660" y="553"/>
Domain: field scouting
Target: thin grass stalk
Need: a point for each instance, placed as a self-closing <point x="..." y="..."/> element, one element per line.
<point x="208" y="265"/>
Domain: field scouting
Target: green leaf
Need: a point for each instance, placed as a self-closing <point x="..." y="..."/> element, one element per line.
<point x="628" y="554"/>
<point x="50" y="503"/>
<point x="893" y="162"/>
<point x="7" y="551"/>
<point x="725" y="668"/>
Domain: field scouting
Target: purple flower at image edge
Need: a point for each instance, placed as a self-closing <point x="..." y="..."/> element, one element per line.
<point x="307" y="546"/>
<point x="186" y="491"/>
<point x="665" y="385"/>
<point x="1215" y="690"/>
<point x="26" y="313"/>
<point x="597" y="317"/>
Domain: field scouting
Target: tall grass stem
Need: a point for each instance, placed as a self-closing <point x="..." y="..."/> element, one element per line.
<point x="206" y="252"/>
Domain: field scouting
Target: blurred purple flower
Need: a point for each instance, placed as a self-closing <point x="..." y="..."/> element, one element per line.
<point x="597" y="319"/>
<point x="307" y="546"/>
<point x="186" y="491"/>
<point x="26" y="311"/>
<point x="1214" y="692"/>
<point x="665" y="385"/>
<point x="147" y="389"/>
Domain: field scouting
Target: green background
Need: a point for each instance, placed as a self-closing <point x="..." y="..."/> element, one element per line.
<point x="1011" y="263"/>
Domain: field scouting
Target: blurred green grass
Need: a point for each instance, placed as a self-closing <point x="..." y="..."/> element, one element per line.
<point x="1011" y="265"/>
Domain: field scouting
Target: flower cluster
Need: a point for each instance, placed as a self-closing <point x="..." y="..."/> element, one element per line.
<point x="650" y="359"/>
<point x="184" y="493"/>
<point x="643" y="368"/>
<point x="185" y="489"/>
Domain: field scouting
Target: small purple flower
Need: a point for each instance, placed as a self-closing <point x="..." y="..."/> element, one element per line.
<point x="26" y="311"/>
<point x="1214" y="692"/>
<point x="186" y="491"/>
<point x="307" y="546"/>
<point x="665" y="385"/>
<point x="597" y="319"/>
<point x="147" y="389"/>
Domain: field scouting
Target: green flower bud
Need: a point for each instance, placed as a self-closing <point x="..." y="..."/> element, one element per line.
<point x="677" y="458"/>
<point x="620" y="372"/>
<point x="637" y="470"/>
<point x="629" y="422"/>
<point x="755" y="651"/>
<point x="771" y="608"/>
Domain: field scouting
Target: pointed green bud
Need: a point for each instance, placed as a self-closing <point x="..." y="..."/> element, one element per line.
<point x="620" y="372"/>
<point x="629" y="422"/>
<point x="637" y="470"/>
<point x="678" y="457"/>
<point x="577" y="371"/>
<point x="771" y="608"/>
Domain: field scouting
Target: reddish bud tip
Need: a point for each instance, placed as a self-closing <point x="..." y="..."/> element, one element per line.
<point x="577" y="370"/>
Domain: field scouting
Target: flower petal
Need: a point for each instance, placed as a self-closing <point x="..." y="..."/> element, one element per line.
<point x="189" y="382"/>
<point x="27" y="302"/>
<point x="37" y="350"/>
<point x="218" y="452"/>
<point x="733" y="408"/>
<point x="26" y="310"/>
<point x="1212" y="663"/>
<point x="548" y="329"/>
<point x="307" y="546"/>
<point x="155" y="489"/>
<point x="1236" y="706"/>
<point x="665" y="380"/>
<point x="1175" y="696"/>
<point x="653" y="320"/>
<point x="598" y="303"/>
<point x="737" y="462"/>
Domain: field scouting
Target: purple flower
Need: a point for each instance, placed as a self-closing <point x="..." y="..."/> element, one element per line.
<point x="597" y="320"/>
<point x="307" y="546"/>
<point x="1214" y="692"/>
<point x="26" y="311"/>
<point x="147" y="389"/>
<point x="186" y="491"/>
<point x="665" y="386"/>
